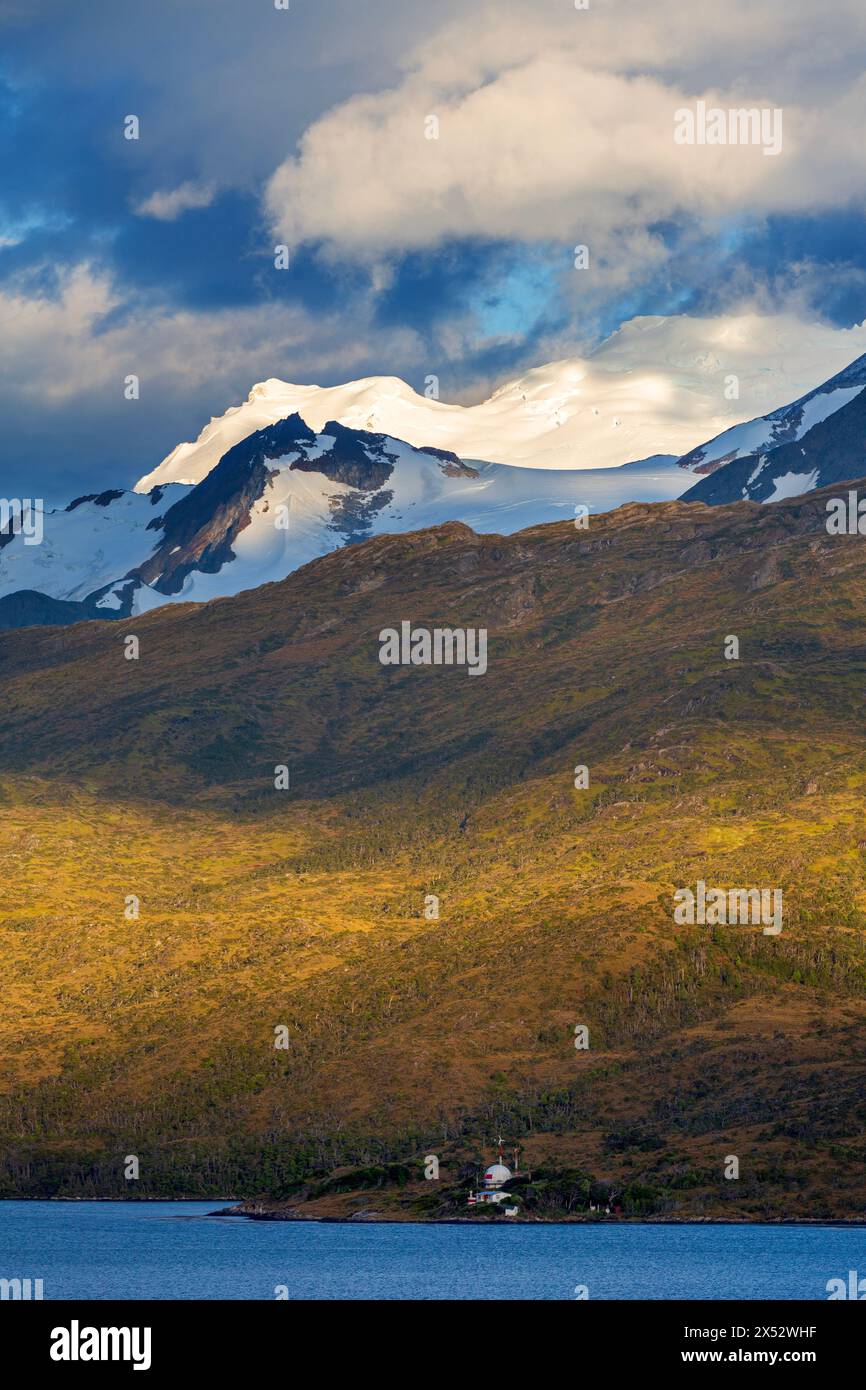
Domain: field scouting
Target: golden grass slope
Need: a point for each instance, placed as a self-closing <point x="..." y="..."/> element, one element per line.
<point x="305" y="908"/>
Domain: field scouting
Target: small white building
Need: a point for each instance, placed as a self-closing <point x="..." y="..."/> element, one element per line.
<point x="495" y="1178"/>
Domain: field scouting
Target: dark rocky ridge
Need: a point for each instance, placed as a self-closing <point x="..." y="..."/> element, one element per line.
<point x="198" y="532"/>
<point x="834" y="449"/>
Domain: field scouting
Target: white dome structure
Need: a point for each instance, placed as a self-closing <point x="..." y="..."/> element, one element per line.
<point x="496" y="1175"/>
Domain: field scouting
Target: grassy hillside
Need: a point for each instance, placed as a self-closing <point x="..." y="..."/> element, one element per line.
<point x="305" y="907"/>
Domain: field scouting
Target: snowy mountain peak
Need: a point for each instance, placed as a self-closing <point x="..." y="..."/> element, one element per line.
<point x="814" y="441"/>
<point x="781" y="426"/>
<point x="657" y="385"/>
<point x="278" y="498"/>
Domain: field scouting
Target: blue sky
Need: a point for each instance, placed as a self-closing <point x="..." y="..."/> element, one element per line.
<point x="305" y="127"/>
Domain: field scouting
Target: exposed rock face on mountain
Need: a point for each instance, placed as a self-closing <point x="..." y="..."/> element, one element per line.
<point x="815" y="441"/>
<point x="199" y="530"/>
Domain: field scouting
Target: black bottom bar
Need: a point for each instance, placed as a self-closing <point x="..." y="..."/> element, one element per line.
<point x="224" y="1337"/>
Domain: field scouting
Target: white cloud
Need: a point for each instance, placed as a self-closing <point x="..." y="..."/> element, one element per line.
<point x="562" y="125"/>
<point x="167" y="206"/>
<point x="83" y="340"/>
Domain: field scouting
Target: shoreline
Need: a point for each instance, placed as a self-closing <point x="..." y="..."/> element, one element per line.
<point x="361" y="1219"/>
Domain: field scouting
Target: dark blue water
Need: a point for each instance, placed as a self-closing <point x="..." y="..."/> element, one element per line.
<point x="174" y="1250"/>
